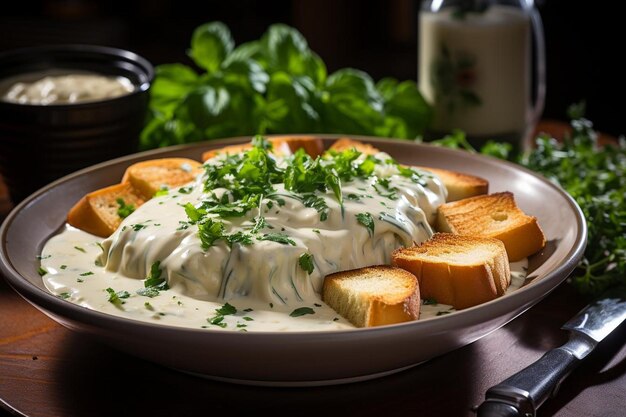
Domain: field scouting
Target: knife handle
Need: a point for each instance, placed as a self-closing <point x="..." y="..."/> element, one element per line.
<point x="526" y="390"/>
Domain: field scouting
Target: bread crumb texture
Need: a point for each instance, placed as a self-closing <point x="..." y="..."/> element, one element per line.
<point x="462" y="271"/>
<point x="374" y="295"/>
<point x="497" y="216"/>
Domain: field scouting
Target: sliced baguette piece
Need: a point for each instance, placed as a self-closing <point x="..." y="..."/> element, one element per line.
<point x="342" y="144"/>
<point x="374" y="295"/>
<point x="148" y="177"/>
<point x="312" y="145"/>
<point x="461" y="271"/>
<point x="97" y="212"/>
<point x="281" y="146"/>
<point x="494" y="215"/>
<point x="458" y="184"/>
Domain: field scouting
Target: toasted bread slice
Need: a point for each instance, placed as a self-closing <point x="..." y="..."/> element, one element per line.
<point x="97" y="212"/>
<point x="148" y="177"/>
<point x="494" y="215"/>
<point x="342" y="144"/>
<point x="312" y="145"/>
<point x="458" y="184"/>
<point x="373" y="296"/>
<point x="281" y="146"/>
<point x="461" y="271"/>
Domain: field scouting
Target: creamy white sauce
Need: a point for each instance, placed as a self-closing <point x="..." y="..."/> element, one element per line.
<point x="78" y="87"/>
<point x="263" y="281"/>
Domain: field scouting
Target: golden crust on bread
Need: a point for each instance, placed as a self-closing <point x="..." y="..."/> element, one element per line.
<point x="494" y="215"/>
<point x="153" y="175"/>
<point x="458" y="184"/>
<point x="461" y="271"/>
<point x="342" y="144"/>
<point x="373" y="296"/>
<point x="97" y="212"/>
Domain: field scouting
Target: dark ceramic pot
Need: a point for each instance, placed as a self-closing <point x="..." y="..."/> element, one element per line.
<point x="41" y="143"/>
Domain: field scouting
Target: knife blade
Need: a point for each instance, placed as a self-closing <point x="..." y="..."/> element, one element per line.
<point x="522" y="393"/>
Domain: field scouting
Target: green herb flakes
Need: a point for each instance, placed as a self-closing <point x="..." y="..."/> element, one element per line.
<point x="154" y="283"/>
<point x="117" y="297"/>
<point x="124" y="210"/>
<point x="302" y="311"/>
<point x="278" y="237"/>
<point x="306" y="262"/>
<point x="366" y="220"/>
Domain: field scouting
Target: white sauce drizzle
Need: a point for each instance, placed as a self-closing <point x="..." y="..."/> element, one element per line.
<point x="66" y="88"/>
<point x="263" y="281"/>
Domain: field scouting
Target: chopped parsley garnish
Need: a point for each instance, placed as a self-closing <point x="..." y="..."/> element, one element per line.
<point x="366" y="220"/>
<point x="259" y="224"/>
<point x="65" y="295"/>
<point x="301" y="311"/>
<point x="278" y="237"/>
<point x="117" y="297"/>
<point x="124" y="210"/>
<point x="42" y="271"/>
<point x="234" y="185"/>
<point x="63" y="267"/>
<point x="210" y="231"/>
<point x="154" y="283"/>
<point x="185" y="190"/>
<point x="225" y="310"/>
<point x="40" y="257"/>
<point x="240" y="237"/>
<point x="84" y="274"/>
<point x="441" y="313"/>
<point x="306" y="262"/>
<point x="78" y="248"/>
<point x="316" y="202"/>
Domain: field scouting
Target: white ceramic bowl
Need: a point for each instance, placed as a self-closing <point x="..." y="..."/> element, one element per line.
<point x="297" y="358"/>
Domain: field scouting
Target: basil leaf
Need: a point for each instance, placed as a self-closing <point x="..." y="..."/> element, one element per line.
<point x="210" y="45"/>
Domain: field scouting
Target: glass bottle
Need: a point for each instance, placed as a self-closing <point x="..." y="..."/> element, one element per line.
<point x="475" y="68"/>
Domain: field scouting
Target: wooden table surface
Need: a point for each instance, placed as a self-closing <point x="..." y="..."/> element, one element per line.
<point x="48" y="370"/>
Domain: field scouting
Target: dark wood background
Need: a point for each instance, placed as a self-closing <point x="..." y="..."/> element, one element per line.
<point x="584" y="39"/>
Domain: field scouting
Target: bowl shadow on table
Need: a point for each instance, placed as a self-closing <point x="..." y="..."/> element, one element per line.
<point x="141" y="388"/>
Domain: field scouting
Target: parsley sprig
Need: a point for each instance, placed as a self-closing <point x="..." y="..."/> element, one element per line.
<point x="154" y="283"/>
<point x="246" y="181"/>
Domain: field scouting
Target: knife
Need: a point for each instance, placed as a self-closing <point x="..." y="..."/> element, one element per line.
<point x="522" y="393"/>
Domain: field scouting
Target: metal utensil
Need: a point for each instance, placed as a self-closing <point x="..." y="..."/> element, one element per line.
<point x="522" y="393"/>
